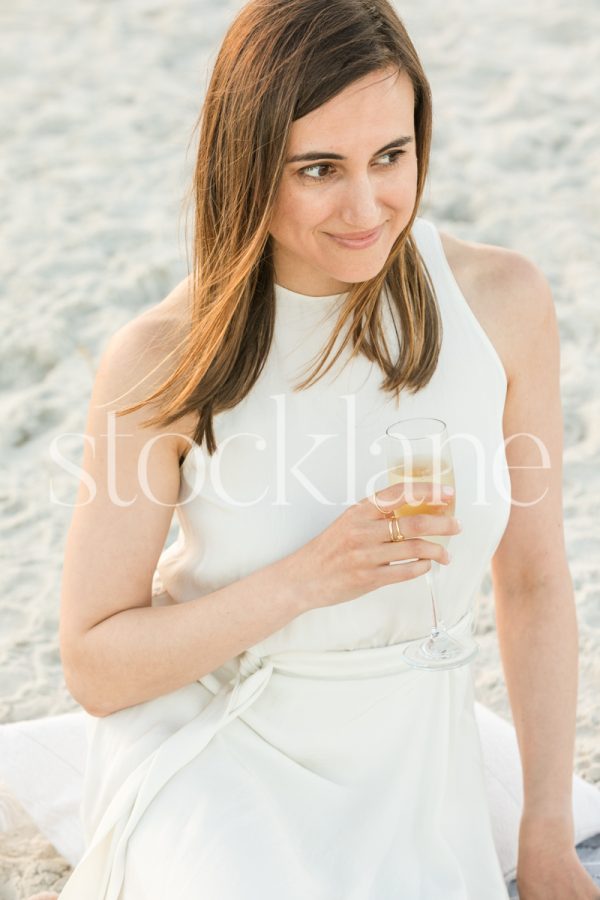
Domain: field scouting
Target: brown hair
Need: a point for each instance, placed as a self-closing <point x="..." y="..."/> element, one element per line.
<point x="279" y="60"/>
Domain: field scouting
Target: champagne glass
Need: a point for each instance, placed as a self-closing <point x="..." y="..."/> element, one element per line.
<point x="418" y="450"/>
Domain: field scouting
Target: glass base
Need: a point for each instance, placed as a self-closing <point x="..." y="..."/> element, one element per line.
<point x="441" y="652"/>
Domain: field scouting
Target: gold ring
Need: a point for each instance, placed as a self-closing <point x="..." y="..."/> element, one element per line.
<point x="395" y="533"/>
<point x="383" y="512"/>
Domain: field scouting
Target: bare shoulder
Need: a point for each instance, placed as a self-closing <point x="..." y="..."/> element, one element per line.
<point x="141" y="355"/>
<point x="157" y="330"/>
<point x="507" y="292"/>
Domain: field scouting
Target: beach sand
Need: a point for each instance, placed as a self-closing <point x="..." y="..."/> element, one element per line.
<point x="97" y="109"/>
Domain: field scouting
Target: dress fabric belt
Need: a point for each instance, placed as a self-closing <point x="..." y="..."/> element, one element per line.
<point x="235" y="686"/>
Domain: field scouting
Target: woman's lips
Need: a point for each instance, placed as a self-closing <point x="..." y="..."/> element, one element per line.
<point x="358" y="243"/>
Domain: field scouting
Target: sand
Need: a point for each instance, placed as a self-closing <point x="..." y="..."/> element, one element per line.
<point x="97" y="110"/>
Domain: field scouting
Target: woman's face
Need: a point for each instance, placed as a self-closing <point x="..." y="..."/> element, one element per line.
<point x="371" y="185"/>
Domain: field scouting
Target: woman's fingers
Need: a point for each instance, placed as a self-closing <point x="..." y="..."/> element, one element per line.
<point x="419" y="548"/>
<point x="414" y="544"/>
<point x="418" y="526"/>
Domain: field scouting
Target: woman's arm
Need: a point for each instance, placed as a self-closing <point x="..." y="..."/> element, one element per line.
<point x="535" y="607"/>
<point x="139" y="654"/>
<point x="116" y="649"/>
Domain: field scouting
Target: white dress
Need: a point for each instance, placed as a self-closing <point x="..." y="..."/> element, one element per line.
<point x="317" y="765"/>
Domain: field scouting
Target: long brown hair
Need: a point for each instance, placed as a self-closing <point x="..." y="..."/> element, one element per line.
<point x="279" y="60"/>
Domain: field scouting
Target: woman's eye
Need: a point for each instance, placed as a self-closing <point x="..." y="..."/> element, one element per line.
<point x="393" y="155"/>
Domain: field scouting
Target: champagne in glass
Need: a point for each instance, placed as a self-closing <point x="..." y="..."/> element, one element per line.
<point x="418" y="450"/>
<point x="423" y="470"/>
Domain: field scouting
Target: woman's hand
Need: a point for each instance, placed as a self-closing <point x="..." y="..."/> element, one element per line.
<point x="548" y="867"/>
<point x="352" y="556"/>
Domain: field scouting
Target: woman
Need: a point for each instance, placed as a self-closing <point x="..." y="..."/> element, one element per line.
<point x="237" y="749"/>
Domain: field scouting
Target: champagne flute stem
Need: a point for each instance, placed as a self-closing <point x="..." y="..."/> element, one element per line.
<point x="432" y="583"/>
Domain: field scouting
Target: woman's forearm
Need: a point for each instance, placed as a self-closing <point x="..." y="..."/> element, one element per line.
<point x="537" y="632"/>
<point x="142" y="653"/>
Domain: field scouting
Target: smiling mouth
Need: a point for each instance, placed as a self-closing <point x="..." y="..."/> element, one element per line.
<point x="358" y="235"/>
<point x="363" y="240"/>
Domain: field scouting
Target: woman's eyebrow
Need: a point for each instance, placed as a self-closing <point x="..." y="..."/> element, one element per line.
<point x="318" y="154"/>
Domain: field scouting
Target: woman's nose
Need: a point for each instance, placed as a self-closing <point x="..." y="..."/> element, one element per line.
<point x="360" y="206"/>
